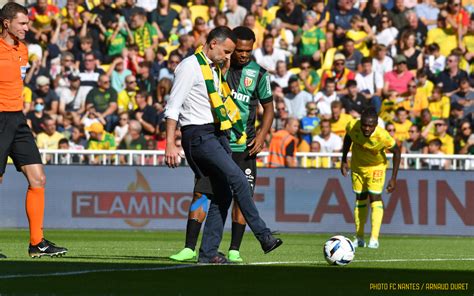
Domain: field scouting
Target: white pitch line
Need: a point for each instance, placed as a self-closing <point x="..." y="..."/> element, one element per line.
<point x="173" y="267"/>
<point x="66" y="273"/>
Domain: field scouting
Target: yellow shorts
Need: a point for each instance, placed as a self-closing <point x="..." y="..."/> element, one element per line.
<point x="368" y="179"/>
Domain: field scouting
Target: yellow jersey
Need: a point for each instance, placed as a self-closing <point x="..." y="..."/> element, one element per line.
<point x="440" y="109"/>
<point x="401" y="130"/>
<point x="447" y="142"/>
<point x="339" y="127"/>
<point x="368" y="151"/>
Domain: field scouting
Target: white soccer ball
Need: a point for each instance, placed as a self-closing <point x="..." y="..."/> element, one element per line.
<point x="339" y="250"/>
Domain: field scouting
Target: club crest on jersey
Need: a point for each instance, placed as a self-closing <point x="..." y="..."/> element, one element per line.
<point x="248" y="82"/>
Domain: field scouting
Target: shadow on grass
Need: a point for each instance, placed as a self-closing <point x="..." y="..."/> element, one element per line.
<point x="85" y="278"/>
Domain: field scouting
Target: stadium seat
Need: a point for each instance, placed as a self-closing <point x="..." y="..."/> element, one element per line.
<point x="199" y="10"/>
<point x="295" y="70"/>
<point x="105" y="67"/>
<point x="176" y="7"/>
<point x="271" y="13"/>
<point x="328" y="58"/>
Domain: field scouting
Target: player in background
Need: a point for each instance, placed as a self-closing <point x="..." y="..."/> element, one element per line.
<point x="250" y="85"/>
<point x="368" y="165"/>
<point x="16" y="139"/>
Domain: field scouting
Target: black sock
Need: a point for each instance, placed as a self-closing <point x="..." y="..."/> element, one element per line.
<point x="238" y="231"/>
<point x="192" y="233"/>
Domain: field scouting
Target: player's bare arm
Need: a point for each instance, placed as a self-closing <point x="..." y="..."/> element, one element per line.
<point x="258" y="141"/>
<point x="345" y="150"/>
<point x="396" y="164"/>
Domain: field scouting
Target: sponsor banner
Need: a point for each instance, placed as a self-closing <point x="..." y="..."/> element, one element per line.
<point x="294" y="200"/>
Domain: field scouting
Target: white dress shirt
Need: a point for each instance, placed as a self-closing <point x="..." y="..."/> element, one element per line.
<point x="189" y="102"/>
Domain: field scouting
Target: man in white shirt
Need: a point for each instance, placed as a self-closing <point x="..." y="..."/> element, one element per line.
<point x="370" y="83"/>
<point x="267" y="56"/>
<point x="325" y="97"/>
<point x="329" y="142"/>
<point x="282" y="75"/>
<point x="297" y="99"/>
<point x="207" y="148"/>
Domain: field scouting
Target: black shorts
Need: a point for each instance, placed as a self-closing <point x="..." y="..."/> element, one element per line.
<point x="16" y="141"/>
<point x="247" y="163"/>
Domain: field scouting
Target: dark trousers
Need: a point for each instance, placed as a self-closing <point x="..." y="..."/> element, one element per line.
<point x="210" y="155"/>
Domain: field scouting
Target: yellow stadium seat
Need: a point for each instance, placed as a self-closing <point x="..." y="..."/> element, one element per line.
<point x="295" y="70"/>
<point x="176" y="7"/>
<point x="271" y="13"/>
<point x="328" y="58"/>
<point x="199" y="10"/>
<point x="105" y="67"/>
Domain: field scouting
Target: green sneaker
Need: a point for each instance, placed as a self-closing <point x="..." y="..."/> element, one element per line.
<point x="185" y="254"/>
<point x="234" y="256"/>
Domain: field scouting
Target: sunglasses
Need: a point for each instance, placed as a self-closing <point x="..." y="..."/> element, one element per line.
<point x="305" y="68"/>
<point x="106" y="81"/>
<point x="391" y="130"/>
<point x="339" y="63"/>
<point x="412" y="86"/>
<point x="466" y="128"/>
<point x="400" y="63"/>
<point x="411" y="132"/>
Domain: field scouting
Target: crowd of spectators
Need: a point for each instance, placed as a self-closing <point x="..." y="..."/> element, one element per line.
<point x="101" y="71"/>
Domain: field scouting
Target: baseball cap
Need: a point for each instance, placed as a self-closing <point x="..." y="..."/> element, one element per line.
<point x="339" y="57"/>
<point x="96" y="127"/>
<point x="42" y="80"/>
<point x="400" y="59"/>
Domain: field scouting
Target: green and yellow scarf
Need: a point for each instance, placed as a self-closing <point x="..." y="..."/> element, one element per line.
<point x="227" y="112"/>
<point x="143" y="39"/>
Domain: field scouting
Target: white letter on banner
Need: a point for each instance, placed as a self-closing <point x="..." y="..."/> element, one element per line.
<point x="169" y="206"/>
<point x="133" y="206"/>
<point x="82" y="201"/>
<point x="97" y="210"/>
<point x="117" y="206"/>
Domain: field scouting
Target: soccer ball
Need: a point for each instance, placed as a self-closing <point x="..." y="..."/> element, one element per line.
<point x="339" y="250"/>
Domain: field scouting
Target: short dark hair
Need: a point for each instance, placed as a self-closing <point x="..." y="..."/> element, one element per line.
<point x="292" y="79"/>
<point x="330" y="80"/>
<point x="369" y="112"/>
<point x="244" y="33"/>
<point x="366" y="60"/>
<point x="351" y="83"/>
<point x="400" y="109"/>
<point x="221" y="33"/>
<point x="10" y="10"/>
<point x="63" y="141"/>
<point x="436" y="142"/>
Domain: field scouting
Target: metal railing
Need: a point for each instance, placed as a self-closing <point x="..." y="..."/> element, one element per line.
<point x="304" y="159"/>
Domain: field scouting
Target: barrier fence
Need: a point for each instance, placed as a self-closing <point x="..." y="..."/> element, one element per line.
<point x="304" y="159"/>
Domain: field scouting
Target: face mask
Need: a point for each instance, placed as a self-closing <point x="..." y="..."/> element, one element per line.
<point x="39" y="107"/>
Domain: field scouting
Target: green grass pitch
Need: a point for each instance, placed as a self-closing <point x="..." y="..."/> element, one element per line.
<point x="135" y="263"/>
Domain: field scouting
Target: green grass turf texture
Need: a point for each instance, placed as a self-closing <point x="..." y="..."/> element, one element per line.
<point x="301" y="271"/>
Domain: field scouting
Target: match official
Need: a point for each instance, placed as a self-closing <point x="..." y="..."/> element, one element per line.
<point x="16" y="139"/>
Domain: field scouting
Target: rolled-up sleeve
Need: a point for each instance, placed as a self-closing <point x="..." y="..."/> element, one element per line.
<point x="183" y="82"/>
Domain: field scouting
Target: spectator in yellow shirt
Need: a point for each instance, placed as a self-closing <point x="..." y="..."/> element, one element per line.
<point x="339" y="120"/>
<point x="126" y="98"/>
<point x="439" y="104"/>
<point x="49" y="138"/>
<point x="441" y="127"/>
<point x="402" y="125"/>
<point x="414" y="101"/>
<point x="361" y="33"/>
